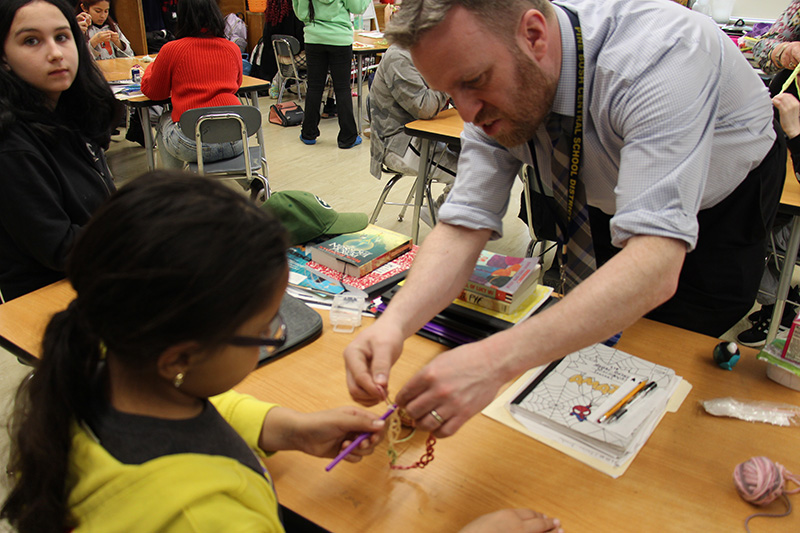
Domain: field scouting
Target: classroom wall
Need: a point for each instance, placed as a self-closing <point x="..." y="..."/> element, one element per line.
<point x="759" y="9"/>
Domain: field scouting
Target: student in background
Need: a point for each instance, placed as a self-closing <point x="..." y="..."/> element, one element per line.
<point x="106" y="39"/>
<point x="129" y="423"/>
<point x="398" y="96"/>
<point x="789" y="111"/>
<point x="779" y="48"/>
<point x="329" y="46"/>
<point x="279" y="19"/>
<point x="200" y="69"/>
<point x="56" y="116"/>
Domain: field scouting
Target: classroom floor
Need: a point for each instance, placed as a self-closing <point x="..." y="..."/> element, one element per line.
<point x="340" y="177"/>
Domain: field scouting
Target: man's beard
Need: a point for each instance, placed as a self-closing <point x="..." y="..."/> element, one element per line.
<point x="532" y="97"/>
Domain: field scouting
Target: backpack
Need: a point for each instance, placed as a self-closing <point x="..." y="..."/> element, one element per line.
<point x="236" y="31"/>
<point x="255" y="59"/>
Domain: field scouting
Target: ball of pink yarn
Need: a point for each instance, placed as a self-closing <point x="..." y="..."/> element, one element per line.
<point x="759" y="480"/>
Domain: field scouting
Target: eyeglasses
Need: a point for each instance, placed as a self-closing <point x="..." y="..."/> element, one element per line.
<point x="272" y="339"/>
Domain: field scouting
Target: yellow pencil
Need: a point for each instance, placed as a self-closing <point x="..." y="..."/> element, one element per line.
<point x="623" y="401"/>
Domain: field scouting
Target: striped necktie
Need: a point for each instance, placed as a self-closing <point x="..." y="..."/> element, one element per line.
<point x="580" y="262"/>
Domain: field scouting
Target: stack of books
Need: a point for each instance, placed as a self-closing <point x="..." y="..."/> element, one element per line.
<point x="501" y="292"/>
<point x="382" y="277"/>
<point x="368" y="261"/>
<point x="500" y="282"/>
<point x="462" y="322"/>
<point x="357" y="254"/>
<point x="600" y="401"/>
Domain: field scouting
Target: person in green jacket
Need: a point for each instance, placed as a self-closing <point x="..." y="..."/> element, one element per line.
<point x="329" y="46"/>
<point x="128" y="422"/>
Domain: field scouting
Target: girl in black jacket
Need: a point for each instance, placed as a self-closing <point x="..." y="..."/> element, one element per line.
<point x="56" y="112"/>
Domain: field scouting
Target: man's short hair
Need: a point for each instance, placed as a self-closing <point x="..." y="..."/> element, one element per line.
<point x="417" y="17"/>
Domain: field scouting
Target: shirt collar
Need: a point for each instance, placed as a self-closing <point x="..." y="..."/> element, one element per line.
<point x="564" y="102"/>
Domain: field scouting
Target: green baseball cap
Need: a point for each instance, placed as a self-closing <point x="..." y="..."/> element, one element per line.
<point x="307" y="216"/>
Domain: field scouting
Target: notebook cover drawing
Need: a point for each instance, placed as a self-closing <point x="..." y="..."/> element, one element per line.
<point x="571" y="395"/>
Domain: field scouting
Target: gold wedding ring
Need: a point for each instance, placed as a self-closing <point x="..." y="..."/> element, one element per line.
<point x="437" y="416"/>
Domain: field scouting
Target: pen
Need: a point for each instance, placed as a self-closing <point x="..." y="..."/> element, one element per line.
<point x="642" y="393"/>
<point x="623" y="401"/>
<point x="358" y="440"/>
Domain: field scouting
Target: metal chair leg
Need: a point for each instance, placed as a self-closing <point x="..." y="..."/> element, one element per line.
<point x="431" y="204"/>
<point x="406" y="205"/>
<point x="382" y="200"/>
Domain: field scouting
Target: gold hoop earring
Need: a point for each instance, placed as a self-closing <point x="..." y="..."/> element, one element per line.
<point x="178" y="380"/>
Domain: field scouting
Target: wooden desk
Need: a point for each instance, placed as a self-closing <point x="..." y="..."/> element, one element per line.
<point x="120" y="69"/>
<point x="445" y="127"/>
<point x="362" y="47"/>
<point x="681" y="480"/>
<point x="790" y="204"/>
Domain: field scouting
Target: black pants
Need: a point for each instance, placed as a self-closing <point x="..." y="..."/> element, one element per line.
<point x="338" y="59"/>
<point x="720" y="277"/>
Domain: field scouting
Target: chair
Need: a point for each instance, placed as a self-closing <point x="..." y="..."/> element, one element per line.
<point x="286" y="48"/>
<point x="396" y="176"/>
<point x="228" y="124"/>
<point x="369" y="19"/>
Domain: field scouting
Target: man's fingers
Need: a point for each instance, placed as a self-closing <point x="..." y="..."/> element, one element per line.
<point x="411" y="391"/>
<point x="359" y="379"/>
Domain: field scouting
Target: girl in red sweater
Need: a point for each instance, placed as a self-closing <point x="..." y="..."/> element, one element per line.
<point x="199" y="69"/>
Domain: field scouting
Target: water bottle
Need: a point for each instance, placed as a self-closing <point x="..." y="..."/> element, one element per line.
<point x="358" y="22"/>
<point x="702" y="6"/>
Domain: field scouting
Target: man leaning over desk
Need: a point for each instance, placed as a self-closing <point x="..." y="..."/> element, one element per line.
<point x="679" y="163"/>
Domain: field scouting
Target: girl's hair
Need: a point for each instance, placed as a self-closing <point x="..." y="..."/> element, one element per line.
<point x="199" y="18"/>
<point x="168" y="258"/>
<point x="87" y="107"/>
<point x="89" y="3"/>
<point x="277" y="11"/>
<point x="311" y="13"/>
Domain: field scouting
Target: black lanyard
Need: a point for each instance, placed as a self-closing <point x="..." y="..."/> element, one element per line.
<point x="576" y="148"/>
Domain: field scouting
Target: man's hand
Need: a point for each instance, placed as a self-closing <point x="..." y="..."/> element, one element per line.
<point x="513" y="521"/>
<point x="456" y="385"/>
<point x="442" y="266"/>
<point x="368" y="360"/>
<point x="459" y="383"/>
<point x="789" y="108"/>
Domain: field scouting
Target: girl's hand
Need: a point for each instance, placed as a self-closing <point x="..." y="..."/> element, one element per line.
<point x="789" y="109"/>
<point x="322" y="434"/>
<point x="84" y="21"/>
<point x="101" y="37"/>
<point x="116" y="40"/>
<point x="513" y="521"/>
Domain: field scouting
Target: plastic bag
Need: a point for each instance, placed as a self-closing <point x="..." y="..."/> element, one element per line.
<point x="778" y="414"/>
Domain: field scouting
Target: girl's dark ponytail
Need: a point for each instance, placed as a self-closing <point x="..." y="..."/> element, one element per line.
<point x="57" y="394"/>
<point x="311" y="10"/>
